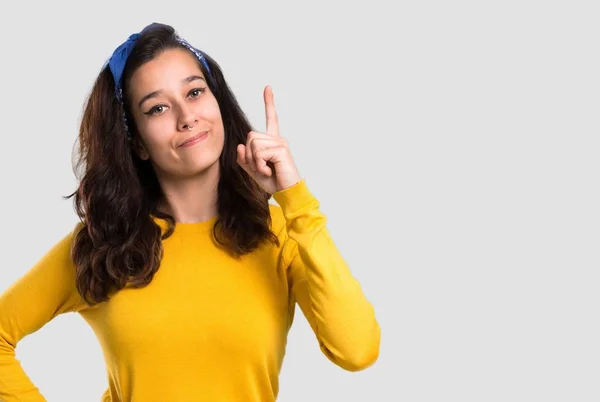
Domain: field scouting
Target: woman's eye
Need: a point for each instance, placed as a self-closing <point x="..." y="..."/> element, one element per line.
<point x="194" y="93"/>
<point x="158" y="109"/>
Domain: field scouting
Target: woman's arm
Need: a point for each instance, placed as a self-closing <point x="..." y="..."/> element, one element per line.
<point x="330" y="297"/>
<point x="45" y="291"/>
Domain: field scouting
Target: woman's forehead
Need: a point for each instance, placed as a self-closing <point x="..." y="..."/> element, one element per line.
<point x="168" y="68"/>
<point x="172" y="62"/>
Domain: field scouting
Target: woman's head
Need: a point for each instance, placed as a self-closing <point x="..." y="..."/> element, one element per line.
<point x="154" y="95"/>
<point x="170" y="103"/>
<point x="168" y="100"/>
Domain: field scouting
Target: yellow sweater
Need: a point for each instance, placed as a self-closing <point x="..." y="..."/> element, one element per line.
<point x="209" y="327"/>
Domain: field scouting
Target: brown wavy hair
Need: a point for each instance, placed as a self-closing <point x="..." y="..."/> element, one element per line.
<point x="119" y="242"/>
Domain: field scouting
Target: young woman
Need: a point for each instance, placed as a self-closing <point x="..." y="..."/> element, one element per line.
<point x="186" y="273"/>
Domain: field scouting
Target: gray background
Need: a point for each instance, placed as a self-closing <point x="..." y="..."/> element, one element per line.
<point x="453" y="146"/>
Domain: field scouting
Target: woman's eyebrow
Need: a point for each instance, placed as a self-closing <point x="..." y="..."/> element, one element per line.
<point x="154" y="94"/>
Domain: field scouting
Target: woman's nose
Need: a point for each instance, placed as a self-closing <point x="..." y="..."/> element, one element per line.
<point x="187" y="120"/>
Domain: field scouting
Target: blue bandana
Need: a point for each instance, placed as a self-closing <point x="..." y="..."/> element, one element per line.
<point x="117" y="62"/>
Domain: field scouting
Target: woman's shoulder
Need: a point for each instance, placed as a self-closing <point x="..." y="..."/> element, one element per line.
<point x="277" y="218"/>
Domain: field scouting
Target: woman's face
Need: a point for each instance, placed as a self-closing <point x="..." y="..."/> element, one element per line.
<point x="171" y="104"/>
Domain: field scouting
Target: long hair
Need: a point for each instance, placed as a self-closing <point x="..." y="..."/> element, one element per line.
<point x="119" y="243"/>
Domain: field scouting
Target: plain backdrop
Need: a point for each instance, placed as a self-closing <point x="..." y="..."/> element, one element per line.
<point x="453" y="147"/>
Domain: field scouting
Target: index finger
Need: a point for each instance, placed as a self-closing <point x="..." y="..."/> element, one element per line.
<point x="270" y="113"/>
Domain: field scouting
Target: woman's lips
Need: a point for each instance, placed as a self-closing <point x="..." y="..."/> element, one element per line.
<point x="194" y="140"/>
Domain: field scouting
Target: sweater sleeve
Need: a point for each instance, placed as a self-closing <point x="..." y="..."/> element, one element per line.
<point x="329" y="296"/>
<point x="45" y="291"/>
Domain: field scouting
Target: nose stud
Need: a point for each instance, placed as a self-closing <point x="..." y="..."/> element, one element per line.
<point x="191" y="127"/>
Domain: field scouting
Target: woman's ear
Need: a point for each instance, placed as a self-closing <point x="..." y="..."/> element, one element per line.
<point x="140" y="149"/>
